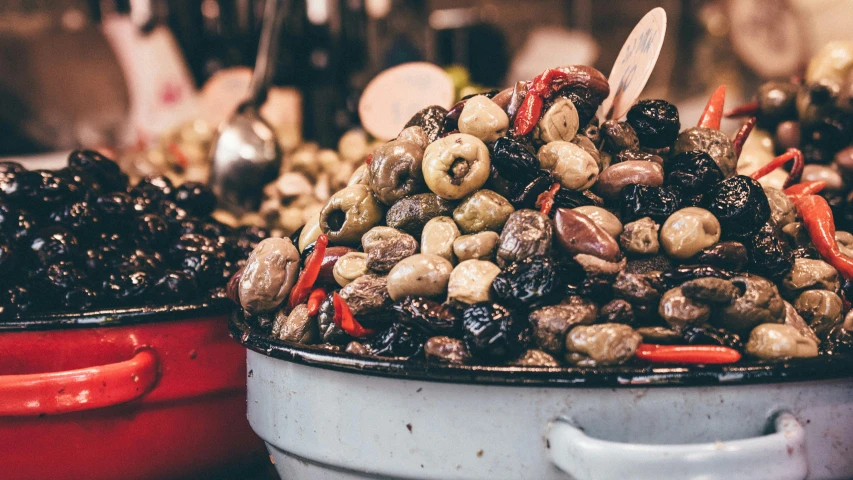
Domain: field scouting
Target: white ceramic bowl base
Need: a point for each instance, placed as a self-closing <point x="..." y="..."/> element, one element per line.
<point x="323" y="424"/>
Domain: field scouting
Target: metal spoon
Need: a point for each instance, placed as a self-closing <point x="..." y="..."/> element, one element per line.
<point x="246" y="155"/>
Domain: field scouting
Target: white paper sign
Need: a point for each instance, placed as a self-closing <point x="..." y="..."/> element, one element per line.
<point x="390" y="99"/>
<point x="635" y="63"/>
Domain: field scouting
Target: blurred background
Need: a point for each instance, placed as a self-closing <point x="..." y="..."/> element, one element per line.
<point x="121" y="74"/>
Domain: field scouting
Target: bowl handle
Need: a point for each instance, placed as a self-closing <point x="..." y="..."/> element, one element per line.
<point x="780" y="455"/>
<point x="80" y="389"/>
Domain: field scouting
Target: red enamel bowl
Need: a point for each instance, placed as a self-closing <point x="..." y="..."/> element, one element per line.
<point x="146" y="393"/>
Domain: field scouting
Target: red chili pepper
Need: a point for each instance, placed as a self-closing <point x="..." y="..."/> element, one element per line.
<point x="368" y="159"/>
<point x="817" y="217"/>
<point x="545" y="200"/>
<point x="743" y="134"/>
<point x="687" y="354"/>
<point x="745" y="110"/>
<point x="796" y="171"/>
<point x="528" y="114"/>
<point x="315" y="299"/>
<point x="300" y="292"/>
<point x="343" y="319"/>
<point x="179" y="155"/>
<point x="800" y="190"/>
<point x="713" y="113"/>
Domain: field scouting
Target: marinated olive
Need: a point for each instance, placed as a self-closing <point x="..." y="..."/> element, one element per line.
<point x="367" y="294"/>
<point x="298" y="326"/>
<point x="493" y="332"/>
<point x="687" y="231"/>
<point x="483" y="119"/>
<point x="711" y="141"/>
<point x="386" y="246"/>
<point x="483" y="210"/>
<point x="398" y="341"/>
<point x="740" y="205"/>
<point x="807" y="274"/>
<point x="707" y="335"/>
<point x="821" y="309"/>
<point x="479" y="246"/>
<point x="769" y="252"/>
<point x="446" y="349"/>
<point x="710" y="290"/>
<point x="410" y="214"/>
<point x="514" y="160"/>
<point x="779" y="342"/>
<point x="693" y="172"/>
<point x="430" y="316"/>
<point x="569" y="164"/>
<point x="269" y="275"/>
<point x="421" y="275"/>
<point x="616" y="177"/>
<point x="655" y="122"/>
<point x="618" y="136"/>
<point x="640" y="237"/>
<point x="349" y="214"/>
<point x="637" y="201"/>
<point x="431" y="120"/>
<point x="552" y="323"/>
<point x="577" y="233"/>
<point x="396" y="171"/>
<point x="195" y="198"/>
<point x="676" y="276"/>
<point x="456" y="166"/>
<point x="559" y="122"/>
<point x="528" y="282"/>
<point x="53" y="244"/>
<point x="329" y="331"/>
<point x="471" y="281"/>
<point x="758" y="303"/>
<point x="438" y="237"/>
<point x="603" y="218"/>
<point x="777" y="101"/>
<point x="603" y="344"/>
<point x="526" y="233"/>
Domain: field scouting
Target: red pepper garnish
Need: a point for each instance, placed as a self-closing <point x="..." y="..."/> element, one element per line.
<point x="713" y="113"/>
<point x="800" y="190"/>
<point x="368" y="158"/>
<point x="315" y="299"/>
<point x="745" y="110"/>
<point x="179" y="155"/>
<point x="796" y="171"/>
<point x="344" y="320"/>
<point x="308" y="275"/>
<point x="687" y="354"/>
<point x="545" y="200"/>
<point x="817" y="217"/>
<point x="528" y="114"/>
<point x="743" y="134"/>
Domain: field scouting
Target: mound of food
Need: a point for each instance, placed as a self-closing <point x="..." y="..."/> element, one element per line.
<point x="516" y="229"/>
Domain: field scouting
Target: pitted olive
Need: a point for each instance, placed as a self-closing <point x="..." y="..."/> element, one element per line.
<point x="471" y="281"/>
<point x="367" y="294"/>
<point x="416" y="135"/>
<point x="559" y="122"/>
<point x="570" y="164"/>
<point x="603" y="218"/>
<point x="535" y="358"/>
<point x="349" y="214"/>
<point x="268" y="276"/>
<point x="483" y="119"/>
<point x="689" y="230"/>
<point x="552" y="323"/>
<point x="421" y="275"/>
<point x="298" y="327"/>
<point x="410" y="214"/>
<point x="640" y="237"/>
<point x="310" y="232"/>
<point x="679" y="311"/>
<point x="395" y="171"/>
<point x="483" y="210"/>
<point x="779" y="342"/>
<point x="438" y="237"/>
<point x="603" y="344"/>
<point x="525" y="234"/>
<point x="385" y="246"/>
<point x="821" y="309"/>
<point x="349" y="267"/>
<point x="456" y="165"/>
<point x="781" y="207"/>
<point x="478" y="246"/>
<point x="807" y="274"/>
<point x="759" y="302"/>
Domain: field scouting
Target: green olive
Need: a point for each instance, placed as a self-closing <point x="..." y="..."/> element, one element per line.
<point x="484" y="210"/>
<point x="349" y="214"/>
<point x="438" y="237"/>
<point x="395" y="171"/>
<point x="483" y="119"/>
<point x="456" y="165"/>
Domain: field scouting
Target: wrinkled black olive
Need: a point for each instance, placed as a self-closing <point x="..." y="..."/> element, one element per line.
<point x="49" y="189"/>
<point x="823" y="139"/>
<point x="514" y="160"/>
<point x="769" y="252"/>
<point x="152" y="230"/>
<point x="692" y="173"/>
<point x="675" y="277"/>
<point x="565" y="198"/>
<point x="585" y="100"/>
<point x="106" y="171"/>
<point x="656" y="122"/>
<point x="127" y="287"/>
<point x="195" y="198"/>
<point x="53" y="244"/>
<point x="494" y="332"/>
<point x="739" y="203"/>
<point x="398" y="340"/>
<point x="707" y="335"/>
<point x="637" y="201"/>
<point x="247" y="238"/>
<point x="156" y="187"/>
<point x="428" y="315"/>
<point x="8" y="261"/>
<point x="175" y="286"/>
<point x="15" y="180"/>
<point x="527" y="283"/>
<point x="172" y="213"/>
<point x="141" y="259"/>
<point x="329" y="332"/>
<point x="839" y="341"/>
<point x="115" y="208"/>
<point x="431" y="120"/>
<point x="726" y="255"/>
<point x="525" y="195"/>
<point x="80" y="299"/>
<point x="15" y="301"/>
<point x="79" y="217"/>
<point x="60" y="277"/>
<point x="200" y="257"/>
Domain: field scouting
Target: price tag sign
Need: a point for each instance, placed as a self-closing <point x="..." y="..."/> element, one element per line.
<point x="635" y="63"/>
<point x="390" y="99"/>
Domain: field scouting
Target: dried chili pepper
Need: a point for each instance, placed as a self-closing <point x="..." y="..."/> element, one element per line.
<point x="743" y="134"/>
<point x="368" y="159"/>
<point x="713" y="113"/>
<point x="528" y="115"/>
<point x="817" y="218"/>
<point x="800" y="190"/>
<point x="796" y="171"/>
<point x="745" y="110"/>
<point x="345" y="320"/>
<point x="300" y="292"/>
<point x="315" y="299"/>
<point x="687" y="354"/>
<point x="545" y="200"/>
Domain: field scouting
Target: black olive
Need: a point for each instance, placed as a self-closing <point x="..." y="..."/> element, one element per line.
<point x="49" y="189"/>
<point x="21" y="226"/>
<point x="156" y="187"/>
<point x="726" y="255"/>
<point x="527" y="283"/>
<point x="585" y="100"/>
<point x="8" y="262"/>
<point x="96" y="262"/>
<point x="398" y="340"/>
<point x="525" y="195"/>
<point x="739" y="203"/>
<point x="707" y="335"/>
<point x="15" y="181"/>
<point x="493" y="332"/>
<point x="54" y="243"/>
<point x="675" y="277"/>
<point x="175" y="286"/>
<point x="656" y="122"/>
<point x="427" y="315"/>
<point x="106" y="171"/>
<point x="152" y="230"/>
<point x="172" y="213"/>
<point x="823" y="139"/>
<point x="514" y="160"/>
<point x="79" y="217"/>
<point x="195" y="198"/>
<point x="127" y="287"/>
<point x="692" y="173"/>
<point x="776" y="102"/>
<point x="839" y="341"/>
<point x="80" y="299"/>
<point x="330" y="332"/>
<point x="431" y="120"/>
<point x="769" y="252"/>
<point x="142" y="259"/>
<point x="637" y="201"/>
<point x="60" y="277"/>
<point x="142" y="203"/>
<point x="199" y="256"/>
<point x="115" y="208"/>
<point x="14" y="301"/>
<point x="247" y="238"/>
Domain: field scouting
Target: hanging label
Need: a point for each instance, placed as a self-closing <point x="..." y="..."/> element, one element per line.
<point x="393" y="96"/>
<point x="635" y="63"/>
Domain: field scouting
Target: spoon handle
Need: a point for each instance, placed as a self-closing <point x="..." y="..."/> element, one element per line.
<point x="274" y="13"/>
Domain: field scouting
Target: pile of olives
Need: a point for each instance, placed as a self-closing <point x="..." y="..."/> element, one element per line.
<point x="464" y="241"/>
<point x="81" y="239"/>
